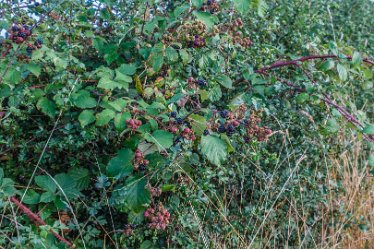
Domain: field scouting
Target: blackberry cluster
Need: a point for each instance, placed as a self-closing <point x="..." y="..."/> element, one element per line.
<point x="192" y="34"/>
<point x="211" y="6"/>
<point x="198" y="42"/>
<point x="19" y="33"/>
<point x="31" y="47"/>
<point x="188" y="134"/>
<point x="261" y="133"/>
<point x="158" y="217"/>
<point x="134" y="123"/>
<point x="139" y="162"/>
<point x="155" y="192"/>
<point x="129" y="229"/>
<point x="237" y="36"/>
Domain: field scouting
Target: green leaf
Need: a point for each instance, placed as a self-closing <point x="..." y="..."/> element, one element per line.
<point x="197" y="3"/>
<point x="369" y="129"/>
<point x="1" y="175"/>
<point x="214" y="148"/>
<point x="13" y="76"/>
<point x="215" y="93"/>
<point x="225" y="81"/>
<point x="332" y="126"/>
<point x="171" y="54"/>
<point x="86" y="117"/>
<point x="342" y="71"/>
<point x="120" y="165"/>
<point x="33" y="68"/>
<point x="128" y="69"/>
<point x="83" y="99"/>
<point x="46" y="183"/>
<point x="243" y="6"/>
<point x="327" y="65"/>
<point x="302" y="97"/>
<point x="162" y="139"/>
<point x="81" y="177"/>
<point x="47" y="197"/>
<point x="198" y="124"/>
<point x="136" y="194"/>
<point x="31" y="197"/>
<point x="107" y="83"/>
<point x="104" y="117"/>
<point x="120" y="120"/>
<point x="260" y="6"/>
<point x="7" y="188"/>
<point x="156" y="61"/>
<point x="356" y="58"/>
<point x="47" y="106"/>
<point x="206" y="18"/>
<point x="66" y="185"/>
<point x="147" y="244"/>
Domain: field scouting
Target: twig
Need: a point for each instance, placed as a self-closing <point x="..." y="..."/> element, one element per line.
<point x="37" y="220"/>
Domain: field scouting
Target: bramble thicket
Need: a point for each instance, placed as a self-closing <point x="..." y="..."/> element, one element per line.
<point x="186" y="124"/>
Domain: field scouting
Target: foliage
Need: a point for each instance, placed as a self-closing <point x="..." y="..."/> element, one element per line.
<point x="179" y="124"/>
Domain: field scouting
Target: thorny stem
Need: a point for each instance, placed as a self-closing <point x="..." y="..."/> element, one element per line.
<point x="278" y="64"/>
<point x="37" y="220"/>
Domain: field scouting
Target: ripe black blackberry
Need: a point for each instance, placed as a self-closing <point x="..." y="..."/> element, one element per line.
<point x="29" y="50"/>
<point x="206" y="133"/>
<point x="179" y="120"/>
<point x="22" y="34"/>
<point x="142" y="167"/>
<point x="222" y="128"/>
<point x="224" y="113"/>
<point x="173" y="114"/>
<point x="202" y="82"/>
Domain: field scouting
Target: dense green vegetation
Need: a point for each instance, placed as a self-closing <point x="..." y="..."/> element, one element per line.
<point x="186" y="124"/>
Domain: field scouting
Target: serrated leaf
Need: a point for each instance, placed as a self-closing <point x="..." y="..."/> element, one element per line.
<point x="120" y="120"/>
<point x="327" y="65"/>
<point x="86" y="117"/>
<point x="342" y="72"/>
<point x="128" y="69"/>
<point x="171" y="54"/>
<point x="356" y="58"/>
<point x="215" y="93"/>
<point x="214" y="148"/>
<point x="31" y="197"/>
<point x="33" y="68"/>
<point x="46" y="183"/>
<point x="104" y="117"/>
<point x="47" y="197"/>
<point x="198" y="124"/>
<point x="136" y="194"/>
<point x="369" y="129"/>
<point x="81" y="177"/>
<point x="83" y="99"/>
<point x="47" y="106"/>
<point x="206" y="18"/>
<point x="66" y="186"/>
<point x="225" y="81"/>
<point x="120" y="165"/>
<point x="243" y="6"/>
<point x="162" y="139"/>
<point x="332" y="126"/>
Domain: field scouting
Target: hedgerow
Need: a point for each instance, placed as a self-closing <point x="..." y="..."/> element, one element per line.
<point x="179" y="124"/>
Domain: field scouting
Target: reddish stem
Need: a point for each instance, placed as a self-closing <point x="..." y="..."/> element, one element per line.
<point x="37" y="220"/>
<point x="279" y="64"/>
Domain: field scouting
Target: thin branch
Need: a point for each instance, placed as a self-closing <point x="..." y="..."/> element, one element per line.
<point x="37" y="220"/>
